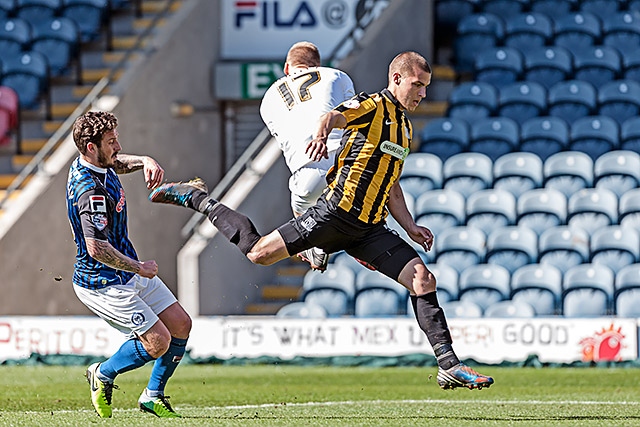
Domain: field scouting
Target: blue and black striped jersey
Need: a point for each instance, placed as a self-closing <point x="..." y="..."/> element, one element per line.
<point x="107" y="211"/>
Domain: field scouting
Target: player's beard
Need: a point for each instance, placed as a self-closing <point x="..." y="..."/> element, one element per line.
<point x="104" y="161"/>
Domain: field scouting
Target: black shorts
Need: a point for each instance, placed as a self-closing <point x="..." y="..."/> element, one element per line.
<point x="375" y="244"/>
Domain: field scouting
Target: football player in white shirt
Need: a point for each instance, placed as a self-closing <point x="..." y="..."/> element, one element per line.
<point x="291" y="108"/>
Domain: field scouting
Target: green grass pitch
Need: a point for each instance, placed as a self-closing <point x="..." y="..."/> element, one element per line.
<point x="271" y="395"/>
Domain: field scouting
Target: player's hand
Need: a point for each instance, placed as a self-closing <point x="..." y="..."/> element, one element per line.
<point x="317" y="149"/>
<point x="153" y="173"/>
<point x="422" y="235"/>
<point x="148" y="269"/>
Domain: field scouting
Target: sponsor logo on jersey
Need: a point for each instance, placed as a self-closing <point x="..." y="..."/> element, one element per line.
<point x="120" y="204"/>
<point x="395" y="150"/>
<point x="98" y="203"/>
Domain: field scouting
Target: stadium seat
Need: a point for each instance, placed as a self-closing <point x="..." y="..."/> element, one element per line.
<point x="10" y="117"/>
<point x="421" y="172"/>
<point x="302" y="310"/>
<point x="498" y="66"/>
<point x="343" y="259"/>
<point x="510" y="310"/>
<point x="484" y="284"/>
<point x="631" y="65"/>
<point x="462" y="310"/>
<point x="619" y="99"/>
<point x="91" y="16"/>
<point x="615" y="247"/>
<point x="334" y="290"/>
<point x="621" y="31"/>
<point x="568" y="172"/>
<point x="467" y="173"/>
<point x="525" y="31"/>
<point x="588" y="291"/>
<point x="471" y="101"/>
<point x="596" y="64"/>
<point x="494" y="136"/>
<point x="552" y="7"/>
<point x="540" y="209"/>
<point x="460" y="247"/>
<point x="512" y="247"/>
<point x="446" y="281"/>
<point x="539" y="285"/>
<point x="439" y="210"/>
<point x="601" y="8"/>
<point x="618" y="171"/>
<point x="58" y="40"/>
<point x="449" y="13"/>
<point x="594" y="135"/>
<point x="476" y="33"/>
<point x="28" y="75"/>
<point x="629" y="209"/>
<point x="630" y="135"/>
<point x="15" y="37"/>
<point x="505" y="9"/>
<point x="544" y="136"/>
<point x="379" y="296"/>
<point x="36" y="10"/>
<point x="517" y="172"/>
<point x="591" y="209"/>
<point x="627" y="291"/>
<point x="7" y="9"/>
<point x="563" y="247"/>
<point x="571" y="100"/>
<point x="445" y="137"/>
<point x="490" y="209"/>
<point x="576" y="30"/>
<point x="522" y="101"/>
<point x="548" y="65"/>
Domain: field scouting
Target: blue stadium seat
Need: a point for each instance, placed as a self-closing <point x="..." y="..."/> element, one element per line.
<point x="91" y="16"/>
<point x="629" y="209"/>
<point x="15" y="37"/>
<point x="36" y="10"/>
<point x="576" y="30"/>
<point x="544" y="136"/>
<point x="446" y="281"/>
<point x="334" y="290"/>
<point x="343" y="259"/>
<point x="615" y="247"/>
<point x="588" y="291"/>
<point x="630" y="135"/>
<point x="499" y="66"/>
<point x="522" y="101"/>
<point x="525" y="31"/>
<point x="7" y="9"/>
<point x="467" y="173"/>
<point x="445" y="137"/>
<point x="421" y="172"/>
<point x="618" y="171"/>
<point x="541" y="208"/>
<point x="58" y="40"/>
<point x="571" y="100"/>
<point x="591" y="209"/>
<point x="601" y="8"/>
<point x="505" y="9"/>
<point x="627" y="291"/>
<point x="563" y="247"/>
<point x="462" y="310"/>
<point x="548" y="65"/>
<point x="490" y="209"/>
<point x="471" y="101"/>
<point x="476" y="33"/>
<point x="619" y="99"/>
<point x="379" y="296"/>
<point x="439" y="210"/>
<point x="512" y="247"/>
<point x="460" y="247"/>
<point x="510" y="310"/>
<point x="568" y="172"/>
<point x="594" y="135"/>
<point x="494" y="136"/>
<point x="301" y="310"/>
<point x="596" y="64"/>
<point x="631" y="65"/>
<point x="449" y="13"/>
<point x="552" y="7"/>
<point x="539" y="285"/>
<point x="622" y="31"/>
<point x="517" y="172"/>
<point x="28" y="75"/>
<point x="484" y="284"/>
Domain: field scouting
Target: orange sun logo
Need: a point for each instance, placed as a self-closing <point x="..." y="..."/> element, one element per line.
<point x="604" y="346"/>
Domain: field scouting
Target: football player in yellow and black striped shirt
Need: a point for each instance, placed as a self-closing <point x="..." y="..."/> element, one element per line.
<point x="350" y="215"/>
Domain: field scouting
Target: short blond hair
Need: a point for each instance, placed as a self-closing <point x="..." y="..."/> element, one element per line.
<point x="405" y="62"/>
<point x="303" y="53"/>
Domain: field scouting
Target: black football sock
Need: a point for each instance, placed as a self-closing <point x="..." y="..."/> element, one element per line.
<point x="433" y="322"/>
<point x="202" y="202"/>
<point x="235" y="226"/>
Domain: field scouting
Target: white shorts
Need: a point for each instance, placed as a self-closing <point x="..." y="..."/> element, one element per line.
<point x="307" y="183"/>
<point x="132" y="308"/>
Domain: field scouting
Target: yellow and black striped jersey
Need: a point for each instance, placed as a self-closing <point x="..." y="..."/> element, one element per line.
<point x="374" y="145"/>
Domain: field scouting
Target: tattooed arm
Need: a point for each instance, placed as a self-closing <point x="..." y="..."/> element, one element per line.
<point x="104" y="252"/>
<point x="153" y="172"/>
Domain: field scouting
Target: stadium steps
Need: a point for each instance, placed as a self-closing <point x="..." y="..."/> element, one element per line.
<point x="284" y="288"/>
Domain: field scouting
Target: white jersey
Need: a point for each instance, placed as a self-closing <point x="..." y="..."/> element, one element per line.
<point x="293" y="104"/>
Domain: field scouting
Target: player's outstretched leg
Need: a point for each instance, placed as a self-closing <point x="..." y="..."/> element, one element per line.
<point x="101" y="392"/>
<point x="157" y="405"/>
<point x="181" y="193"/>
<point x="462" y="375"/>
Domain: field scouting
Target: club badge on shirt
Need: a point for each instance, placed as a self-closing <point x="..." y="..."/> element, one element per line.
<point x="99" y="220"/>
